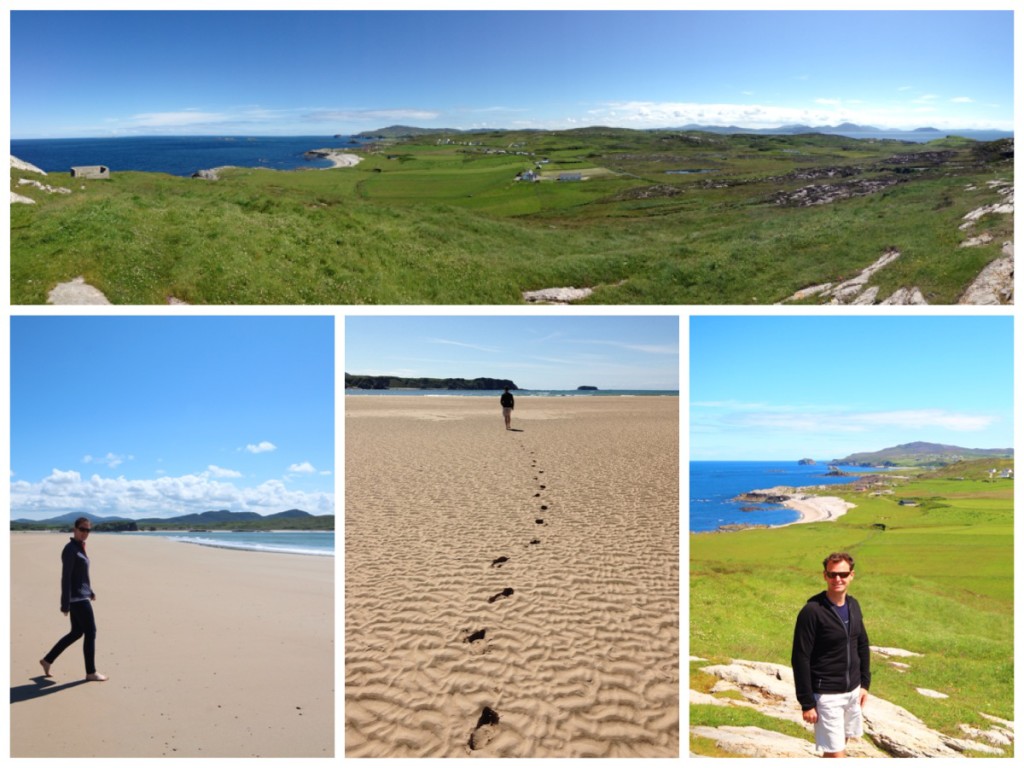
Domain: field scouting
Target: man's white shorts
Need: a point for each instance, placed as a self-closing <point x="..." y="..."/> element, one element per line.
<point x="839" y="718"/>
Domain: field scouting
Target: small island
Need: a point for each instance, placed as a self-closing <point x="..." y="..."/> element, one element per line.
<point x="586" y="389"/>
<point x="807" y="462"/>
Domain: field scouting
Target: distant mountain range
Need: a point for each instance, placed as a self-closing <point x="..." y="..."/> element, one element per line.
<point x="923" y="454"/>
<point x="218" y="518"/>
<point x="843" y="129"/>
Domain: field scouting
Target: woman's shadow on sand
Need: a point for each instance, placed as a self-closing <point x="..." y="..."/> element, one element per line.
<point x="40" y="686"/>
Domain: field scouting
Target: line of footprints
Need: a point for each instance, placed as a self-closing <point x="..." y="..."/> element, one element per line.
<point x="487" y="726"/>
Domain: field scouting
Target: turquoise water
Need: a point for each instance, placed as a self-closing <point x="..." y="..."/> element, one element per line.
<point x="714" y="486"/>
<point x="320" y="543"/>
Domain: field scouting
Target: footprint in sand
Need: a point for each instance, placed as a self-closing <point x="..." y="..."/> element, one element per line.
<point x="535" y="541"/>
<point x="499" y="561"/>
<point x="543" y="506"/>
<point x="539" y="521"/>
<point x="486" y="729"/>
<point x="542" y="487"/>
<point x="472" y="637"/>
<point x="536" y="494"/>
<point x="506" y="592"/>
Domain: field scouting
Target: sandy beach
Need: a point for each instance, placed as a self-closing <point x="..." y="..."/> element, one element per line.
<point x="512" y="594"/>
<point x="811" y="508"/>
<point x="210" y="652"/>
<point x="817" y="509"/>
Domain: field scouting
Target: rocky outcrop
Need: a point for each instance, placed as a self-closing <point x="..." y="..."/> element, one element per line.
<point x="994" y="284"/>
<point x="891" y="730"/>
<point x="556" y="295"/>
<point x="16" y="198"/>
<point x="853" y="291"/>
<point x="44" y="187"/>
<point x="21" y="165"/>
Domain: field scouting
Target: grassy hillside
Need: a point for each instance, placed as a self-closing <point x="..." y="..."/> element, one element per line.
<point x="425" y="221"/>
<point x="937" y="580"/>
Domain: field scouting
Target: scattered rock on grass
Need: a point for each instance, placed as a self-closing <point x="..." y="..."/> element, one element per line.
<point x="76" y="291"/>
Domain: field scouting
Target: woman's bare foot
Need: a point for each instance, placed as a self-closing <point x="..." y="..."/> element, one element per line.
<point x="96" y="676"/>
<point x="46" y="667"/>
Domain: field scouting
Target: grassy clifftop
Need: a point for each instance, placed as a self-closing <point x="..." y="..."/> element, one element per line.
<point x="936" y="578"/>
<point x="655" y="217"/>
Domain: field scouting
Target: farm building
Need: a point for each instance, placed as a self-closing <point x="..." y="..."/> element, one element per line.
<point x="90" y="172"/>
<point x="570" y="177"/>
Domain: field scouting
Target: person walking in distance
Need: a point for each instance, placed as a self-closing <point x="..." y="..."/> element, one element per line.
<point x="507" y="404"/>
<point x="832" y="660"/>
<point x="76" y="598"/>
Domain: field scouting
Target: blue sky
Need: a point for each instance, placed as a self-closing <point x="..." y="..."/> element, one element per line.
<point x="155" y="417"/>
<point x="534" y="352"/>
<point x="78" y="74"/>
<point x="766" y="388"/>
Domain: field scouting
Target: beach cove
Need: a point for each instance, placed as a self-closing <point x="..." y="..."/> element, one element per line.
<point x="512" y="593"/>
<point x="210" y="652"/>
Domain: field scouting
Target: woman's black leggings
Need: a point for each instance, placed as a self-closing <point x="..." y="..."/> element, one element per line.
<point x="83" y="624"/>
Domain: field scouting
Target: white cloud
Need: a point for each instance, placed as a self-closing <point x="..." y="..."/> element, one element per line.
<point x="812" y="420"/>
<point x="67" y="491"/>
<point x="477" y="347"/>
<point x="182" y="119"/>
<point x="112" y="460"/>
<point x="346" y="115"/>
<point x="962" y="100"/>
<point x="304" y="468"/>
<point x="216" y="471"/>
<point x="261" y="447"/>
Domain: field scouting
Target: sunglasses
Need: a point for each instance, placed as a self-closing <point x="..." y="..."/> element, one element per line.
<point x="838" y="574"/>
<point x="86" y="530"/>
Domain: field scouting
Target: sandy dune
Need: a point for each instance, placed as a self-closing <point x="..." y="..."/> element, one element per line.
<point x="210" y="652"/>
<point x="512" y="593"/>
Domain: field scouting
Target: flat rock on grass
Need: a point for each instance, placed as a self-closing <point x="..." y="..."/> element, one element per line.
<point x="769" y="688"/>
<point x="76" y="291"/>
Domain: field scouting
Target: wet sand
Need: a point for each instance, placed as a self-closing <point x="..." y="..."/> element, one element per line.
<point x="210" y="652"/>
<point x="512" y="593"/>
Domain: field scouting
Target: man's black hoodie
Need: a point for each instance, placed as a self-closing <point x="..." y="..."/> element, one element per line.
<point x="825" y="658"/>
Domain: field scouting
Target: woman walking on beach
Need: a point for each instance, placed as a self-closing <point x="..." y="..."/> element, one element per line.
<point x="75" y="599"/>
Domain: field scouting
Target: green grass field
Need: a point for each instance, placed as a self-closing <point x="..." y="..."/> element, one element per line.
<point x="938" y="581"/>
<point x="421" y="223"/>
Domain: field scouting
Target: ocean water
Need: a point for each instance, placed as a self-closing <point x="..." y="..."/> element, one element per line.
<point x="178" y="155"/>
<point x="515" y="392"/>
<point x="715" y="484"/>
<point x="319" y="543"/>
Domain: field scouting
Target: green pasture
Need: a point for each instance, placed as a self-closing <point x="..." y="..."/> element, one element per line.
<point x="425" y="223"/>
<point x="938" y="580"/>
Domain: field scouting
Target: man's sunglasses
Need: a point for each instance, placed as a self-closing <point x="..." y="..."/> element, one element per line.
<point x="838" y="574"/>
<point x="83" y="529"/>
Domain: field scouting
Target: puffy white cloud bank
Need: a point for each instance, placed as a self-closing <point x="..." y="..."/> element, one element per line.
<point x="68" y="491"/>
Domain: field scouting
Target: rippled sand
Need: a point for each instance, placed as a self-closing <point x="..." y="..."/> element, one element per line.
<point x="512" y="593"/>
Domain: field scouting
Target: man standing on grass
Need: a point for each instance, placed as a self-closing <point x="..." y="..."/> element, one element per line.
<point x="832" y="660"/>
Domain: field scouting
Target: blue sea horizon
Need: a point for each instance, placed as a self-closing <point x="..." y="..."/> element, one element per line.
<point x="516" y="392"/>
<point x="180" y="155"/>
<point x="714" y="486"/>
